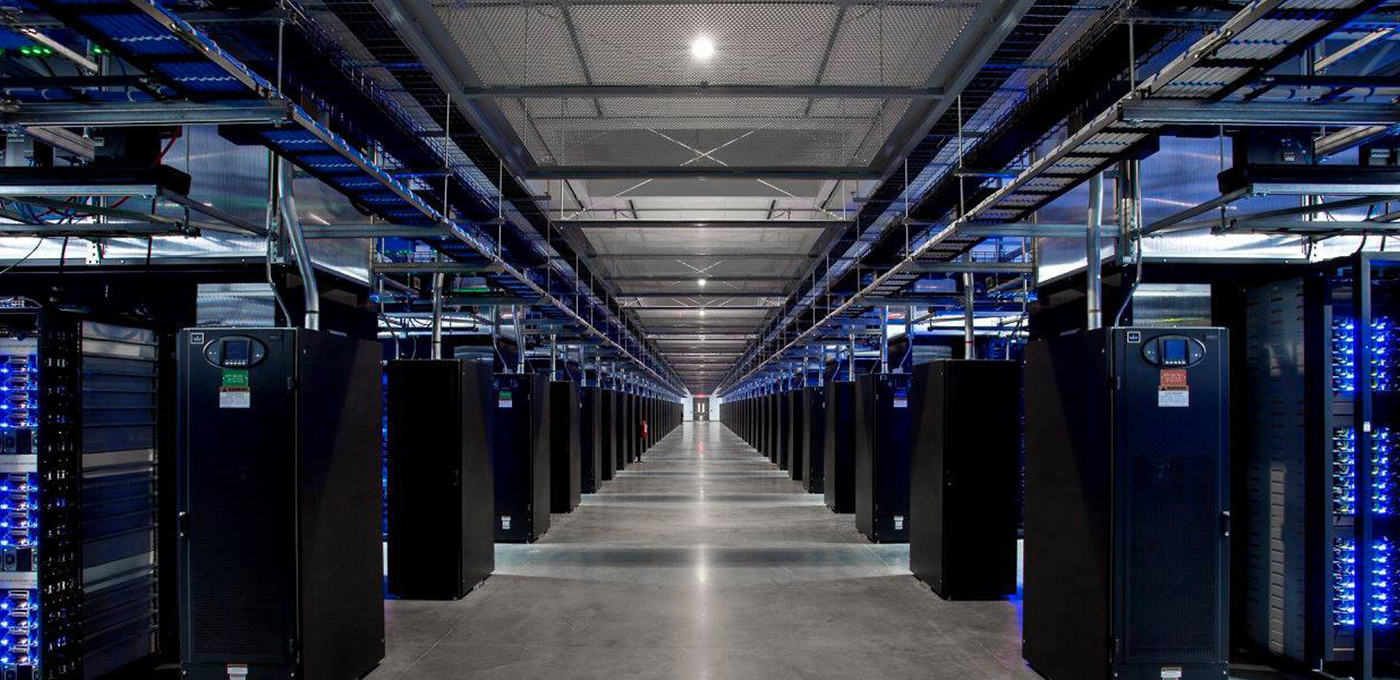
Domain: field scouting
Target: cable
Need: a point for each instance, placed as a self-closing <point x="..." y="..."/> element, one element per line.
<point x="1118" y="317"/>
<point x="35" y="249"/>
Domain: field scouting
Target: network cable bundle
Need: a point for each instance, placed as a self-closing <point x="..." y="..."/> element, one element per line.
<point x="77" y="495"/>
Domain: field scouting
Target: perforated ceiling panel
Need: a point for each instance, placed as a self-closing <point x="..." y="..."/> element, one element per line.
<point x="631" y="43"/>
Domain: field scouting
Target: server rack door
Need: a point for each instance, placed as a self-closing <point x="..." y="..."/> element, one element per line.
<point x="237" y="495"/>
<point x="565" y="436"/>
<point x="521" y="458"/>
<point x="624" y="430"/>
<point x="881" y="467"/>
<point x="341" y="583"/>
<point x="839" y="456"/>
<point x="478" y="487"/>
<point x="1066" y="632"/>
<point x="1171" y="434"/>
<point x="964" y="482"/>
<point x="540" y="419"/>
<point x="426" y="454"/>
<point x="796" y="436"/>
<point x="607" y="433"/>
<point x="782" y="418"/>
<point x="590" y="436"/>
<point x="814" y="443"/>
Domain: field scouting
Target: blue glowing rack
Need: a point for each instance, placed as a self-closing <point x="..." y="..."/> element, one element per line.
<point x="1344" y="575"/>
<point x="19" y="508"/>
<point x="1383" y="344"/>
<point x="1344" y="471"/>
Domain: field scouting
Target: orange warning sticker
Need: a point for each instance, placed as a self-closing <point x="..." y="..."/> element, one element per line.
<point x="1173" y="379"/>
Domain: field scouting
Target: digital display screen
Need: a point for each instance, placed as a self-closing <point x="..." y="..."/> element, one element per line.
<point x="1174" y="351"/>
<point x="236" y="352"/>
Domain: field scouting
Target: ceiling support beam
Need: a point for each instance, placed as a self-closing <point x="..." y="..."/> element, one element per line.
<point x="726" y="224"/>
<point x="693" y="91"/>
<point x="697" y="171"/>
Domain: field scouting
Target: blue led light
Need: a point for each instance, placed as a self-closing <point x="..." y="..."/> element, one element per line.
<point x="1344" y="471"/>
<point x="19" y="540"/>
<point x="1344" y="582"/>
<point x="1383" y="343"/>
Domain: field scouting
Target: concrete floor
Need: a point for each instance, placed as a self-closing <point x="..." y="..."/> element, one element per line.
<point x="703" y="562"/>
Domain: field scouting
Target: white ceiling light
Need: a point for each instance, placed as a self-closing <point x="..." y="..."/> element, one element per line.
<point x="702" y="49"/>
<point x="701" y="281"/>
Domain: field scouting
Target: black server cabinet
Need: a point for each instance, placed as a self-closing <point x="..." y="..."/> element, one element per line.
<point x="796" y="429"/>
<point x="1299" y="520"/>
<point x="775" y="429"/>
<point x="624" y="430"/>
<point x="965" y="477"/>
<point x="881" y="468"/>
<point x="1126" y="554"/>
<point x="782" y="416"/>
<point x="565" y="458"/>
<point x="521" y="457"/>
<point x="279" y="484"/>
<point x="78" y="464"/>
<point x="607" y="433"/>
<point x="590" y="437"/>
<point x="814" y="438"/>
<point x="441" y="500"/>
<point x="839" y="451"/>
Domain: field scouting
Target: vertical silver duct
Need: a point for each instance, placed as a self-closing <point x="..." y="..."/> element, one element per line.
<point x="437" y="315"/>
<point x="969" y="317"/>
<point x="310" y="291"/>
<point x="1093" y="271"/>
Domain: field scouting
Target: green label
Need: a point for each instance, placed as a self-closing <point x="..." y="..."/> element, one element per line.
<point x="235" y="377"/>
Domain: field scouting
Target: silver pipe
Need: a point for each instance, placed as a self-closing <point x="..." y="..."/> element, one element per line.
<point x="969" y="317"/>
<point x="884" y="339"/>
<point x="851" y="366"/>
<point x="553" y="357"/>
<point x="516" y="312"/>
<point x="437" y="315"/>
<point x="1093" y="273"/>
<point x="310" y="291"/>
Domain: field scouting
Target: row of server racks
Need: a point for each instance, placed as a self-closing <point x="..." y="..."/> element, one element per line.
<point x="522" y="446"/>
<point x="938" y="443"/>
<point x="279" y="496"/>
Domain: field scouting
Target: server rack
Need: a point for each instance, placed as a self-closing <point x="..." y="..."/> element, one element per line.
<point x="1127" y="497"/>
<point x="278" y="454"/>
<point x="796" y="430"/>
<point x="770" y="427"/>
<point x="441" y="500"/>
<point x="565" y="458"/>
<point x="839" y="455"/>
<point x="881" y="471"/>
<point x="607" y="433"/>
<point x="522" y="457"/>
<point x="1303" y="531"/>
<point x="590" y="437"/>
<point x="964" y="477"/>
<point x="78" y="455"/>
<point x="624" y="430"/>
<point x="814" y="438"/>
<point x="783" y="428"/>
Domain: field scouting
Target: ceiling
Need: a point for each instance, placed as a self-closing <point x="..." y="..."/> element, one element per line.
<point x="703" y="187"/>
<point x="608" y="84"/>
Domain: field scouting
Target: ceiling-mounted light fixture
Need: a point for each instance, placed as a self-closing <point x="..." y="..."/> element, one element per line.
<point x="701" y="282"/>
<point x="702" y="48"/>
